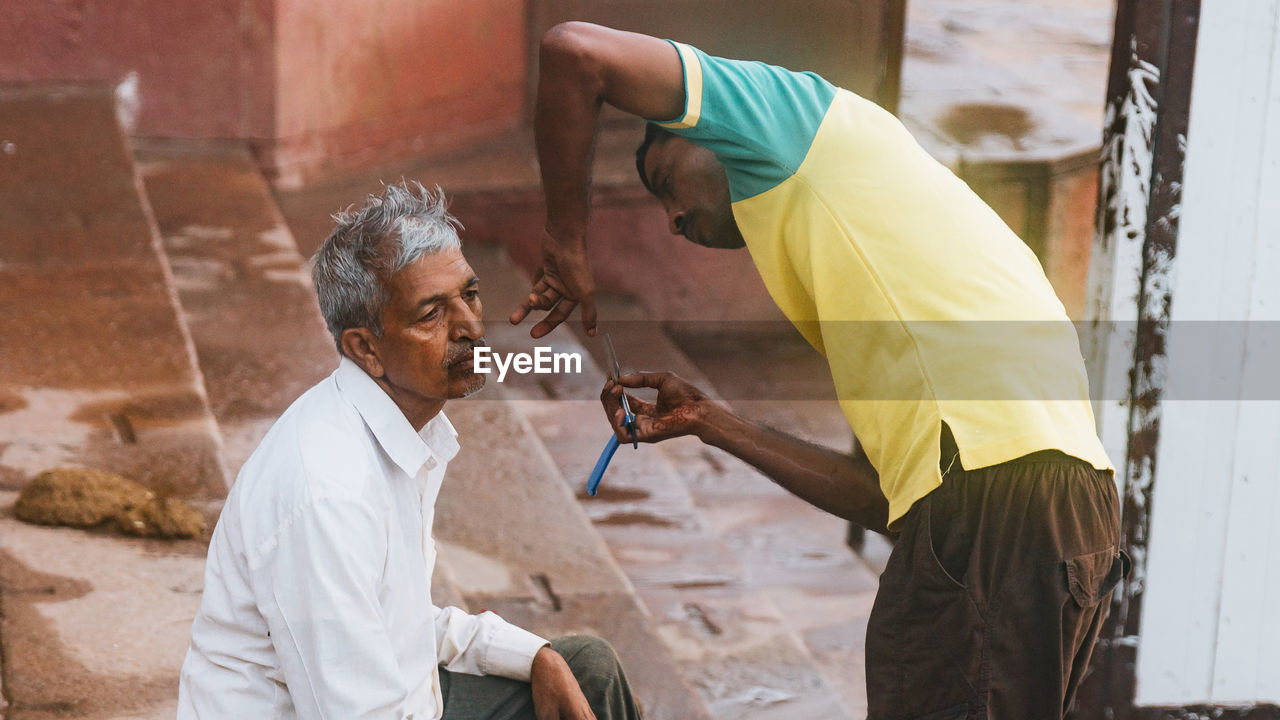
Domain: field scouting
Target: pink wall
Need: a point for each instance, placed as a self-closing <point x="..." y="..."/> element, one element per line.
<point x="314" y="84"/>
<point x="362" y="82"/>
<point x="203" y="67"/>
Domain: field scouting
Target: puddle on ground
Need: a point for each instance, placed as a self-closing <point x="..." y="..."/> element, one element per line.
<point x="971" y="123"/>
<point x="635" y="518"/>
<point x="10" y="401"/>
<point x="606" y="493"/>
<point x="700" y="584"/>
<point x="161" y="439"/>
<point x="41" y="674"/>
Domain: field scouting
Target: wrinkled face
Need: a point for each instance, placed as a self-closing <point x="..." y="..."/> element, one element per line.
<point x="430" y="326"/>
<point x="694" y="190"/>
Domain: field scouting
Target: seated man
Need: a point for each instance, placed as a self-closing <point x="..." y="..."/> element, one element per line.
<point x="317" y="595"/>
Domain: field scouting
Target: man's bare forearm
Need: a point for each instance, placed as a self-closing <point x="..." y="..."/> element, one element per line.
<point x="566" y="114"/>
<point x="842" y="484"/>
<point x="581" y="67"/>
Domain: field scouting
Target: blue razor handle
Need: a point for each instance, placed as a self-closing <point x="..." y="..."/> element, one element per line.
<point x="628" y="421"/>
<point x="598" y="472"/>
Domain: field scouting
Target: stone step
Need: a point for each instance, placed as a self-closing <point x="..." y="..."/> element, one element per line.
<point x="726" y="631"/>
<point x="518" y="544"/>
<point x="773" y="376"/>
<point x="97" y="370"/>
<point x="244" y="288"/>
<point x="792" y="552"/>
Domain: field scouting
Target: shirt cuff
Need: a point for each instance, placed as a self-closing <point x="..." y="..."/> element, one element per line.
<point x="510" y="650"/>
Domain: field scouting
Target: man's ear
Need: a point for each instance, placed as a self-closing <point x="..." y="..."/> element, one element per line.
<point x="361" y="346"/>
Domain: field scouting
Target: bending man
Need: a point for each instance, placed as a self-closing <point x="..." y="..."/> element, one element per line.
<point x="955" y="363"/>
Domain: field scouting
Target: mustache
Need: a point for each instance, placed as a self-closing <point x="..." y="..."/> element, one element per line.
<point x="460" y="350"/>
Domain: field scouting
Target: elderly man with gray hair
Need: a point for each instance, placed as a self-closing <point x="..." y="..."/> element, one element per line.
<point x="317" y="595"/>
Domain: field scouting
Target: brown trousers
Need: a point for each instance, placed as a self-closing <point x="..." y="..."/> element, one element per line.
<point x="995" y="592"/>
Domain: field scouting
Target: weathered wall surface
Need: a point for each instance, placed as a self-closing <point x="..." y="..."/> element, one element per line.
<point x="362" y="82"/>
<point x="314" y="84"/>
<point x="202" y="67"/>
<point x="324" y="85"/>
<point x="856" y="44"/>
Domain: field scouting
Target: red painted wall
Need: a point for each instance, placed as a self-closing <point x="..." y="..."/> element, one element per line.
<point x="359" y="82"/>
<point x="314" y="84"/>
<point x="203" y="67"/>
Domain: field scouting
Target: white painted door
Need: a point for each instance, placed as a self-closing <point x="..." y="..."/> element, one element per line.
<point x="1211" y="615"/>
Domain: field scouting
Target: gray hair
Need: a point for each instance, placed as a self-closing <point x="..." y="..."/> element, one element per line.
<point x="373" y="243"/>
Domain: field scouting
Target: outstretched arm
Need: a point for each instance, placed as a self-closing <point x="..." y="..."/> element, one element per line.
<point x="582" y="66"/>
<point x="846" y="485"/>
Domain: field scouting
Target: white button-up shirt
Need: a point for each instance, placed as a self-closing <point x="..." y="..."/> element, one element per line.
<point x="317" y="592"/>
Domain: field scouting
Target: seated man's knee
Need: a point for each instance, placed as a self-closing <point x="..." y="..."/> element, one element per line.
<point x="593" y="662"/>
<point x="599" y="673"/>
<point x="587" y="655"/>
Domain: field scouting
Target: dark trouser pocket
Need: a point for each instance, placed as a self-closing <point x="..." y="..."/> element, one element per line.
<point x="1092" y="577"/>
<point x="924" y="637"/>
<point x="1090" y="580"/>
<point x="1045" y="629"/>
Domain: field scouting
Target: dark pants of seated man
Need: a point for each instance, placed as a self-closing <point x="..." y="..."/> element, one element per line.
<point x="593" y="662"/>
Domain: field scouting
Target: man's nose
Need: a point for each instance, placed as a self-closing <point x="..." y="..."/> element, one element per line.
<point x="675" y="221"/>
<point x="466" y="323"/>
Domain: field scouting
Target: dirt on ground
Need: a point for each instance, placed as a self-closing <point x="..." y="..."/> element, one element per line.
<point x="85" y="498"/>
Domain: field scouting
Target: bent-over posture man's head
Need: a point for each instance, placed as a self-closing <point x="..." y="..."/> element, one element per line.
<point x="692" y="186"/>
<point x="317" y="596"/>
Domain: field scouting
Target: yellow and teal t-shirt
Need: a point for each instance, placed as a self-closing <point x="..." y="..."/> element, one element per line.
<point x="928" y="308"/>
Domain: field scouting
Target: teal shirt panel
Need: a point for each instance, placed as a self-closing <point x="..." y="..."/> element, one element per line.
<point x="758" y="119"/>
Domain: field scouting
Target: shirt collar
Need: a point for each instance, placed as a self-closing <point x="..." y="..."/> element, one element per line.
<point x="409" y="450"/>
